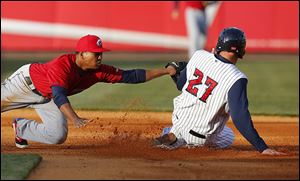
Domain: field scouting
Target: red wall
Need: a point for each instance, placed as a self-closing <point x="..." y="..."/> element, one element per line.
<point x="267" y="22"/>
<point x="269" y="26"/>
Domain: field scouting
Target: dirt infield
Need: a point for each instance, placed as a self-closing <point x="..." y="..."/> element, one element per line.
<point x="117" y="145"/>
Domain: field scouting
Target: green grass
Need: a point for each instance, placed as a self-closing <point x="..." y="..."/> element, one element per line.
<point x="156" y="95"/>
<point x="18" y="166"/>
<point x="273" y="87"/>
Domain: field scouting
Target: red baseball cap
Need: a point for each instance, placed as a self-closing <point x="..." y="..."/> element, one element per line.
<point x="90" y="43"/>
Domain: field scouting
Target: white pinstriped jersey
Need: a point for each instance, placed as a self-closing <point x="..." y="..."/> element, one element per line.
<point x="202" y="105"/>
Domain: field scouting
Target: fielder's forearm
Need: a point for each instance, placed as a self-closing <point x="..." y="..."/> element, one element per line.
<point x="154" y="73"/>
<point x="68" y="111"/>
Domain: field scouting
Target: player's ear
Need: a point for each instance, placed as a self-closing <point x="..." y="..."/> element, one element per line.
<point x="82" y="55"/>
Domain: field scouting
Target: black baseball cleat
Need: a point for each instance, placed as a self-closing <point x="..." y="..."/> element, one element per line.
<point x="20" y="143"/>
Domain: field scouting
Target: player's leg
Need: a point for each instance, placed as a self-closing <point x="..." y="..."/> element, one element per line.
<point x="15" y="93"/>
<point x="202" y="27"/>
<point x="55" y="125"/>
<point x="170" y="137"/>
<point x="192" y="30"/>
<point x="224" y="139"/>
<point x="52" y="130"/>
<point x="184" y="120"/>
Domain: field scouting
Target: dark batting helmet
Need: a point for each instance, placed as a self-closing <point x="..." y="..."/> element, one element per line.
<point x="232" y="40"/>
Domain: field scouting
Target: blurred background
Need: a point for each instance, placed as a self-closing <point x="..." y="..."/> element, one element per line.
<point x="144" y="25"/>
<point x="142" y="34"/>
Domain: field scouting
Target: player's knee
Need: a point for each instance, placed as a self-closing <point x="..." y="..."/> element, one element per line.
<point x="225" y="139"/>
<point x="59" y="137"/>
<point x="229" y="138"/>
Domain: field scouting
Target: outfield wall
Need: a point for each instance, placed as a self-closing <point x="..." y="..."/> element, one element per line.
<point x="144" y="25"/>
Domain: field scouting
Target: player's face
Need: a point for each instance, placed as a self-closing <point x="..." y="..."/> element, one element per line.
<point x="93" y="60"/>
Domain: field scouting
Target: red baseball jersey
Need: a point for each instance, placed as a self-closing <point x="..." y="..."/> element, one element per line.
<point x="63" y="71"/>
<point x="194" y="4"/>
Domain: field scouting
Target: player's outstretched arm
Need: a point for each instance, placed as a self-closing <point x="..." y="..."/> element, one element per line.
<point x="154" y="73"/>
<point x="272" y="152"/>
<point x="136" y="76"/>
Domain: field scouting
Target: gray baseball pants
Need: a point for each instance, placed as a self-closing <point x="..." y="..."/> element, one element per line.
<point x="16" y="93"/>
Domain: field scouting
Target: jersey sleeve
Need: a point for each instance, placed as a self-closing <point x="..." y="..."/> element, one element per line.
<point x="238" y="106"/>
<point x="134" y="76"/>
<point x="109" y="74"/>
<point x="59" y="96"/>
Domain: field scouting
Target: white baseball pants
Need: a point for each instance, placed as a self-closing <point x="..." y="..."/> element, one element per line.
<point x="223" y="139"/>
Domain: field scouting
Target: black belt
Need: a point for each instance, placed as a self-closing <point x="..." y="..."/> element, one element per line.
<point x="197" y="134"/>
<point x="29" y="82"/>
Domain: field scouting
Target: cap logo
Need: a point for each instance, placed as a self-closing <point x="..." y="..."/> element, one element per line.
<point x="99" y="42"/>
<point x="233" y="48"/>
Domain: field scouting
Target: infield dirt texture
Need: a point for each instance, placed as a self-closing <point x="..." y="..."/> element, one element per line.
<point x="117" y="145"/>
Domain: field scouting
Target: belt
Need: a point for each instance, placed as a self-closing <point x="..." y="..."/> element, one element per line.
<point x="197" y="134"/>
<point x="30" y="84"/>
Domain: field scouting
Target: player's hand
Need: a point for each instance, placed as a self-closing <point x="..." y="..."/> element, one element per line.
<point x="171" y="70"/>
<point x="177" y="66"/>
<point x="272" y="152"/>
<point x="80" y="122"/>
<point x="174" y="69"/>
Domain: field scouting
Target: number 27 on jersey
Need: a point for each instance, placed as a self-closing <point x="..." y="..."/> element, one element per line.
<point x="209" y="82"/>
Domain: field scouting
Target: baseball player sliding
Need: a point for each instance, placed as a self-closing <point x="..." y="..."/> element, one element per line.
<point x="213" y="89"/>
<point x="45" y="87"/>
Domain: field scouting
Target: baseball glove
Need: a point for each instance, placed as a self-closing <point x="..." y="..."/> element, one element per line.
<point x="179" y="66"/>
